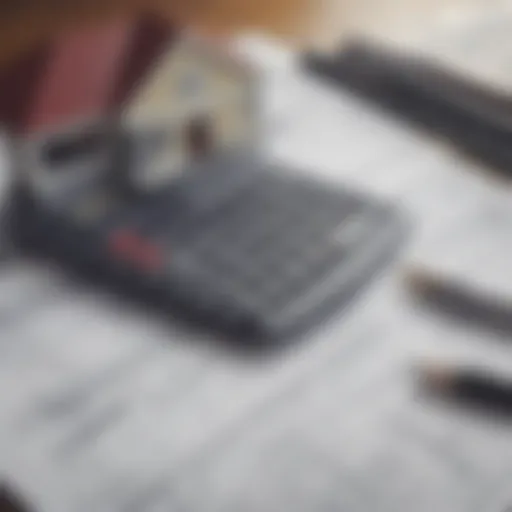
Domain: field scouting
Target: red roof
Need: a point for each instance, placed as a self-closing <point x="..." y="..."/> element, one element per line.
<point x="80" y="75"/>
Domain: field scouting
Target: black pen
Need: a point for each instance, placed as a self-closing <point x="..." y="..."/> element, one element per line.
<point x="461" y="301"/>
<point x="469" y="386"/>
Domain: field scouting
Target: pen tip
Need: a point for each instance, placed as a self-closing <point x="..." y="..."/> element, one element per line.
<point x="433" y="376"/>
<point x="418" y="280"/>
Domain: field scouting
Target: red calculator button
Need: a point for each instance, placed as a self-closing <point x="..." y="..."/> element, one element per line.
<point x="124" y="244"/>
<point x="151" y="257"/>
<point x="129" y="247"/>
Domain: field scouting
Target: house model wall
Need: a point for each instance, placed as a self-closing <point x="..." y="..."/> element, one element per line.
<point x="204" y="99"/>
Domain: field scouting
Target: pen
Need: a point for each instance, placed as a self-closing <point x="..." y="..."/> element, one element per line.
<point x="460" y="300"/>
<point x="468" y="386"/>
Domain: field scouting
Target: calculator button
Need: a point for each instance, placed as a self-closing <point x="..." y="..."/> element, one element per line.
<point x="123" y="243"/>
<point x="151" y="258"/>
<point x="349" y="229"/>
<point x="129" y="247"/>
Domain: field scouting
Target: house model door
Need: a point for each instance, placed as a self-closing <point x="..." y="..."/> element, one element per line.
<point x="200" y="137"/>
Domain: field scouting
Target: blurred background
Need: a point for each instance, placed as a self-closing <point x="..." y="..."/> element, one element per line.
<point x="107" y="406"/>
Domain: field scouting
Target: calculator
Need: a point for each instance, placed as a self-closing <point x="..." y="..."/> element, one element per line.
<point x="235" y="243"/>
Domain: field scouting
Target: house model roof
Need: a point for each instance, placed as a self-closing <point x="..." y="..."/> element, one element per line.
<point x="195" y="61"/>
<point x="83" y="74"/>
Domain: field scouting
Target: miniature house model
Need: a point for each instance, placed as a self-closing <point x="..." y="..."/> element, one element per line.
<point x="199" y="99"/>
<point x="202" y="99"/>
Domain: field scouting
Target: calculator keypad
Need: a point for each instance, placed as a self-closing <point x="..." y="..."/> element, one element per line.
<point x="275" y="243"/>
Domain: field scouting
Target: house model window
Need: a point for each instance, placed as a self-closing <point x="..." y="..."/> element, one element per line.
<point x="200" y="95"/>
